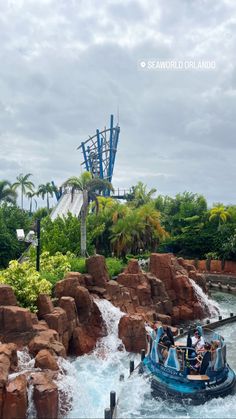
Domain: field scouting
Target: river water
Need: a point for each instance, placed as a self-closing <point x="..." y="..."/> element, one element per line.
<point x="90" y="378"/>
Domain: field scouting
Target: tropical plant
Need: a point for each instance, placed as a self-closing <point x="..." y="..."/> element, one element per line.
<point x="139" y="195"/>
<point x="7" y="194"/>
<point x="219" y="214"/>
<point x="89" y="187"/>
<point x="24" y="184"/>
<point x="26" y="283"/>
<point x="46" y="190"/>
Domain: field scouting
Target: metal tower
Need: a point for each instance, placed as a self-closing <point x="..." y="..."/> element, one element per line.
<point x="99" y="152"/>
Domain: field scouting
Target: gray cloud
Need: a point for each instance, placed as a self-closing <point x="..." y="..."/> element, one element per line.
<point x="66" y="65"/>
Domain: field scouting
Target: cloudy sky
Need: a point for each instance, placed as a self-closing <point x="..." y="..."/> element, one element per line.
<point x="66" y="65"/>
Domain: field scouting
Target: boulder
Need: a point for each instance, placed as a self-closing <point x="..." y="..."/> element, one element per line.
<point x="16" y="325"/>
<point x="7" y="296"/>
<point x="57" y="320"/>
<point x="130" y="280"/>
<point x="68" y="304"/>
<point x="47" y="339"/>
<point x="132" y="333"/>
<point x="96" y="267"/>
<point x="185" y="313"/>
<point x="10" y="350"/>
<point x="133" y="267"/>
<point x="45" y="360"/>
<point x="45" y="396"/>
<point x="160" y="266"/>
<point x="44" y="304"/>
<point x="15" y="400"/>
<point x="67" y="286"/>
<point x="84" y="303"/>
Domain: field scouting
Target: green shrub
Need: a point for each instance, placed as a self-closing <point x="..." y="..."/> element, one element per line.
<point x="115" y="266"/>
<point x="26" y="283"/>
<point x="78" y="265"/>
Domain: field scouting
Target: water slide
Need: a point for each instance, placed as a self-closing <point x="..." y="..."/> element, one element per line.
<point x="66" y="204"/>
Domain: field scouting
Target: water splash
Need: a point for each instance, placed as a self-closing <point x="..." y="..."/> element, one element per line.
<point x="210" y="305"/>
<point x="98" y="373"/>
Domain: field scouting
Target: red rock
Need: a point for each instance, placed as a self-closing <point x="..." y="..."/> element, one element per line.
<point x="47" y="339"/>
<point x="57" y="320"/>
<point x="186" y="313"/>
<point x="160" y="266"/>
<point x="15" y="400"/>
<point x="45" y="396"/>
<point x="132" y="333"/>
<point x="216" y="266"/>
<point x="45" y="360"/>
<point x="144" y="294"/>
<point x="16" y="325"/>
<point x="82" y="343"/>
<point x="68" y="304"/>
<point x="96" y="267"/>
<point x="7" y="296"/>
<point x="10" y="350"/>
<point x="130" y="280"/>
<point x="133" y="267"/>
<point x="84" y="303"/>
<point x="157" y="286"/>
<point x="44" y="304"/>
<point x="67" y="286"/>
<point x="202" y="266"/>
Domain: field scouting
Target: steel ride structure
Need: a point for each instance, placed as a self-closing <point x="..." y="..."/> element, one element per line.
<point x="99" y="152"/>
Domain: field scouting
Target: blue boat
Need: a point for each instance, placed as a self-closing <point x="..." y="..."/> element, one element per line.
<point x="181" y="373"/>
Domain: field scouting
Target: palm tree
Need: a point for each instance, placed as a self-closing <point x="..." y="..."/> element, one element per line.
<point x="220" y="214"/>
<point x="90" y="187"/>
<point x="7" y="194"/>
<point x="139" y="195"/>
<point x="126" y="234"/>
<point x="46" y="190"/>
<point x="24" y="184"/>
<point x="30" y="196"/>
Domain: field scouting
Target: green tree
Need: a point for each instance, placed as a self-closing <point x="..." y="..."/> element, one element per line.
<point x="24" y="184"/>
<point x="90" y="188"/>
<point x="139" y="195"/>
<point x="7" y="194"/>
<point x="11" y="218"/>
<point x="46" y="190"/>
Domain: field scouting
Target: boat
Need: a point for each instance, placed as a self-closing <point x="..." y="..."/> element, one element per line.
<point x="173" y="374"/>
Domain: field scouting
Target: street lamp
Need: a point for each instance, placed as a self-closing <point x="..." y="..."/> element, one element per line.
<point x="33" y="239"/>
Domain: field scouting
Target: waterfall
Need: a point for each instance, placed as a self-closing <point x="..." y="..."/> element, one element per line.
<point x="207" y="302"/>
<point x="98" y="373"/>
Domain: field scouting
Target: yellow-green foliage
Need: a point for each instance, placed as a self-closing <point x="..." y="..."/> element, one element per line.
<point x="56" y="265"/>
<point x="26" y="283"/>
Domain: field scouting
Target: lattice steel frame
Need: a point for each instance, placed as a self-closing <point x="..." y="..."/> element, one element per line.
<point x="99" y="152"/>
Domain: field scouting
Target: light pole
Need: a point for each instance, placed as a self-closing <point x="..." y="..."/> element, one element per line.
<point x="33" y="239"/>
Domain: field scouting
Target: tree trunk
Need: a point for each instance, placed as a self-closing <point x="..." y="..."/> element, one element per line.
<point x="22" y="197"/>
<point x="47" y="201"/>
<point x="83" y="237"/>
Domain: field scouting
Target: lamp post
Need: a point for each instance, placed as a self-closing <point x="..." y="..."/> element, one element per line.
<point x="38" y="245"/>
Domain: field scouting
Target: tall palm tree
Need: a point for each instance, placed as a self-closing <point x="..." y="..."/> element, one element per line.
<point x="24" y="184"/>
<point x="46" y="190"/>
<point x="7" y="194"/>
<point x="90" y="188"/>
<point x="30" y="195"/>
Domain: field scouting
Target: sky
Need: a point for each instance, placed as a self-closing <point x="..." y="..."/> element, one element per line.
<point x="66" y="65"/>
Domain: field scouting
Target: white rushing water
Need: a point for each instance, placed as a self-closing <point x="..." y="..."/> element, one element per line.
<point x="207" y="302"/>
<point x="96" y="374"/>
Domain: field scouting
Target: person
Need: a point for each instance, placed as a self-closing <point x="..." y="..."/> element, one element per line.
<point x="165" y="339"/>
<point x="197" y="341"/>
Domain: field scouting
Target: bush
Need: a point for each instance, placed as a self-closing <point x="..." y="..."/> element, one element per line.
<point x="78" y="265"/>
<point x="26" y="282"/>
<point x="115" y="266"/>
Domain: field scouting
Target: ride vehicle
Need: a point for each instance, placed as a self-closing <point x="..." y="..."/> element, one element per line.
<point x="182" y="374"/>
